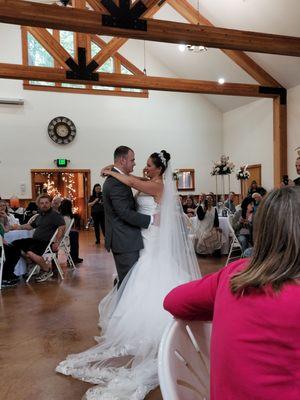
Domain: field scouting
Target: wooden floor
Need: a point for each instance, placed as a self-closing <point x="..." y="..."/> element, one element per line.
<point x="41" y="323"/>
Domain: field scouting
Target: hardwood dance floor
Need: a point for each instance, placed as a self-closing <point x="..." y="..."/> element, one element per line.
<point x="41" y="323"/>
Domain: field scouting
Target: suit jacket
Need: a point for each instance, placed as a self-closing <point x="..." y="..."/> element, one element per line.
<point x="122" y="222"/>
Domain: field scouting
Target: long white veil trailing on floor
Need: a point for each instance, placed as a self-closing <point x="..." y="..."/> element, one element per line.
<point x="124" y="362"/>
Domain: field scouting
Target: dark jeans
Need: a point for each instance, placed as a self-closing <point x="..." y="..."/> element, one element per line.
<point x="12" y="255"/>
<point x="124" y="262"/>
<point x="99" y="221"/>
<point x="244" y="241"/>
<point x="74" y="245"/>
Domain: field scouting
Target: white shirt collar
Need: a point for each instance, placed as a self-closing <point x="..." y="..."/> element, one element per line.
<point x="119" y="170"/>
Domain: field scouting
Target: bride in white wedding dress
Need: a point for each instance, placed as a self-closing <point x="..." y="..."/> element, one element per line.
<point x="123" y="364"/>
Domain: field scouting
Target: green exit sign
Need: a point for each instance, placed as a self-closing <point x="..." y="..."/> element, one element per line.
<point x="62" y="162"/>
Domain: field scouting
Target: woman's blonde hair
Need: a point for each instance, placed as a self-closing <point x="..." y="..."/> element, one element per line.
<point x="276" y="255"/>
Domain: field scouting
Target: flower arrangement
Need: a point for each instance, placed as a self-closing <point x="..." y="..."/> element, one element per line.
<point x="176" y="175"/>
<point x="242" y="173"/>
<point x="222" y="167"/>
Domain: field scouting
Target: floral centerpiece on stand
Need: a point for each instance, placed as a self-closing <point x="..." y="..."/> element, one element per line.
<point x="222" y="167"/>
<point x="243" y="174"/>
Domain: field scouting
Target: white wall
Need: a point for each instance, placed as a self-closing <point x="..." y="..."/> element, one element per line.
<point x="186" y="125"/>
<point x="248" y="138"/>
<point x="248" y="135"/>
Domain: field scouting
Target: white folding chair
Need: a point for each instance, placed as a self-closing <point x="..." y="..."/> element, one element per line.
<point x="50" y="255"/>
<point x="2" y="259"/>
<point x="64" y="245"/>
<point x="183" y="361"/>
<point x="190" y="228"/>
<point x="235" y="250"/>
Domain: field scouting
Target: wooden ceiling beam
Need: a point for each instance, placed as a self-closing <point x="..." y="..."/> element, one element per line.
<point x="116" y="43"/>
<point x="53" y="47"/>
<point x="127" y="64"/>
<point x="187" y="11"/>
<point x="66" y="18"/>
<point x="14" y="71"/>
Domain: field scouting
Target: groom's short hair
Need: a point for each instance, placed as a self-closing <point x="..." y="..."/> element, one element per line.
<point x="121" y="151"/>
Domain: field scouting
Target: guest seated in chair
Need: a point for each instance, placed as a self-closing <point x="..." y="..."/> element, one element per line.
<point x="242" y="223"/>
<point x="208" y="236"/>
<point x="45" y="225"/>
<point x="229" y="203"/>
<point x="10" y="220"/>
<point x="254" y="308"/>
<point x="31" y="210"/>
<point x="190" y="206"/>
<point x="15" y="209"/>
<point x="254" y="188"/>
<point x="12" y="256"/>
<point x="66" y="211"/>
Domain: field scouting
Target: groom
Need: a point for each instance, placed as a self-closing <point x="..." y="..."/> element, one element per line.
<point x="122" y="222"/>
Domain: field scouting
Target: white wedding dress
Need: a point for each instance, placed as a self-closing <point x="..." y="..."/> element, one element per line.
<point x="123" y="364"/>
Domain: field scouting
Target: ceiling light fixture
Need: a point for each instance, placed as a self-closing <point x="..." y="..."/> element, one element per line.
<point x="221" y="81"/>
<point x="191" y="48"/>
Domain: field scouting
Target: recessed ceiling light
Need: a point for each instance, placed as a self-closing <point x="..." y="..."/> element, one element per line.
<point x="221" y="81"/>
<point x="181" y="47"/>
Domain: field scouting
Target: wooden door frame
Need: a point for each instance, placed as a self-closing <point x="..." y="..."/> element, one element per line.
<point x="63" y="170"/>
<point x="249" y="167"/>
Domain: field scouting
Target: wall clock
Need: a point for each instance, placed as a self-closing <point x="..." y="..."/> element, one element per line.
<point x="62" y="130"/>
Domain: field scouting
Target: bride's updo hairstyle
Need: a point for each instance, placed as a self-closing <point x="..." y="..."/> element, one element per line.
<point x="160" y="160"/>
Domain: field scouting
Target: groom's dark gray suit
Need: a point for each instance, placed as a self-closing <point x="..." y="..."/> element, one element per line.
<point x="122" y="225"/>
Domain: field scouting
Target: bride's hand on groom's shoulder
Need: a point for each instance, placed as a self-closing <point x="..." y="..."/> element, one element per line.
<point x="105" y="172"/>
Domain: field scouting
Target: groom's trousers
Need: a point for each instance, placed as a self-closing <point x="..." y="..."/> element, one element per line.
<point x="124" y="262"/>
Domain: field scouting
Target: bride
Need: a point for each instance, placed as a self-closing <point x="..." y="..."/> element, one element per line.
<point x="123" y="364"/>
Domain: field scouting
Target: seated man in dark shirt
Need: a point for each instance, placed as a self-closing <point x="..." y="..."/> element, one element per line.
<point x="45" y="225"/>
<point x="297" y="180"/>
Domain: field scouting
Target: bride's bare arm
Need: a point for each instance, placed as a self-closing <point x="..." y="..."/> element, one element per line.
<point x="145" y="186"/>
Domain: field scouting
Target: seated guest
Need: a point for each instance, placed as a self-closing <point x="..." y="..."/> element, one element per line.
<point x="45" y="225"/>
<point x="66" y="211"/>
<point x="56" y="202"/>
<point x="201" y="198"/>
<point x="189" y="208"/>
<point x="229" y="203"/>
<point x="242" y="223"/>
<point x="208" y="236"/>
<point x="15" y="209"/>
<point x="31" y="210"/>
<point x="12" y="221"/>
<point x="254" y="188"/>
<point x="12" y="256"/>
<point x="254" y="308"/>
<point x="257" y="199"/>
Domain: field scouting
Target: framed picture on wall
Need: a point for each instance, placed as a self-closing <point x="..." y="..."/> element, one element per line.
<point x="185" y="179"/>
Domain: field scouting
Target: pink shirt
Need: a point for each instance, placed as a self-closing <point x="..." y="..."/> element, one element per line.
<point x="255" y="345"/>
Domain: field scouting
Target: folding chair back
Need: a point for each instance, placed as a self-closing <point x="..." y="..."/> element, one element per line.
<point x="48" y="254"/>
<point x="183" y="361"/>
<point x="235" y="251"/>
<point x="64" y="245"/>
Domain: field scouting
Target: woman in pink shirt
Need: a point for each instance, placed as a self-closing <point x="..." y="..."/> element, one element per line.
<point x="254" y="306"/>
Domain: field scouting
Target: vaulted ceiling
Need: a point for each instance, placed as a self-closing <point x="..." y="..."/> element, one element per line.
<point x="271" y="16"/>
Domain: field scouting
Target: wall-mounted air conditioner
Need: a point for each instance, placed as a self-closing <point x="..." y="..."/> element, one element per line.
<point x="11" y="101"/>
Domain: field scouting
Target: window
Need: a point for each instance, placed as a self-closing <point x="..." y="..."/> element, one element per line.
<point x="38" y="55"/>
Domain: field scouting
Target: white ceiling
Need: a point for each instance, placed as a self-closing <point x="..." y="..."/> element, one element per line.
<point x="271" y="16"/>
